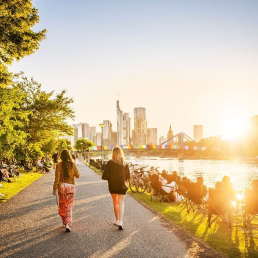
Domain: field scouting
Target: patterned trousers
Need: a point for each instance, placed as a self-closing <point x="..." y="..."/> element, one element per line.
<point x="66" y="197"/>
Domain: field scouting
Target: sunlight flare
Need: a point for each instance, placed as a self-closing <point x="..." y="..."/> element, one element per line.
<point x="234" y="124"/>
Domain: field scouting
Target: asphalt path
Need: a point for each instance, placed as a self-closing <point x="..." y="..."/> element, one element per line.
<point x="31" y="227"/>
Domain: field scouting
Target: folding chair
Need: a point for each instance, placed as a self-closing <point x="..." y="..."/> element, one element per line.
<point x="194" y="196"/>
<point x="250" y="206"/>
<point x="157" y="191"/>
<point x="181" y="192"/>
<point x="218" y="206"/>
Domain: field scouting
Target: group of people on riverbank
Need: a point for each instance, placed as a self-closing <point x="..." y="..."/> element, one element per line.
<point x="7" y="171"/>
<point x="225" y="184"/>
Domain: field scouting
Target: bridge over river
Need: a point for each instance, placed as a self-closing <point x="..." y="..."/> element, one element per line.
<point x="180" y="145"/>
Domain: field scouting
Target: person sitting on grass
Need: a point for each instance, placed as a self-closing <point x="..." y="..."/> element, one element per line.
<point x="254" y="186"/>
<point x="168" y="188"/>
<point x="229" y="188"/>
<point x="40" y="165"/>
<point x="162" y="180"/>
<point x="186" y="179"/>
<point x="4" y="175"/>
<point x="174" y="177"/>
<point x="199" y="180"/>
<point x="218" y="186"/>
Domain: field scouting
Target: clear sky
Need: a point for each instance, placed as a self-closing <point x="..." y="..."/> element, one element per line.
<point x="186" y="62"/>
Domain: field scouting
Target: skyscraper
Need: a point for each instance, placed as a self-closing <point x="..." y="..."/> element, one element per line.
<point x="79" y="126"/>
<point x="119" y="113"/>
<point x="85" y="131"/>
<point x="152" y="136"/>
<point x="107" y="129"/>
<point x="113" y="138"/>
<point x="140" y="126"/>
<point x="98" y="139"/>
<point x="198" y="132"/>
<point x="170" y="135"/>
<point x="93" y="134"/>
<point x="77" y="131"/>
<point x="126" y="129"/>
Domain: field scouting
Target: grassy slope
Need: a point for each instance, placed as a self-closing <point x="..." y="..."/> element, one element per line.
<point x="11" y="189"/>
<point x="230" y="242"/>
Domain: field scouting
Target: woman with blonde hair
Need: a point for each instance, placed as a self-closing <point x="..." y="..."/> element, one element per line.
<point x="117" y="174"/>
<point x="65" y="173"/>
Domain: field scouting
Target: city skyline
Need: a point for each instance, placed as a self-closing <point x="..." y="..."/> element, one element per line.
<point x="128" y="130"/>
<point x="141" y="134"/>
<point x="195" y="63"/>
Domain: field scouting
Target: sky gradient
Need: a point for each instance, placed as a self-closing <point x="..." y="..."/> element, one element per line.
<point x="186" y="62"/>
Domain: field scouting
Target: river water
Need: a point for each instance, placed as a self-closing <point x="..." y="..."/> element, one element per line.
<point x="241" y="172"/>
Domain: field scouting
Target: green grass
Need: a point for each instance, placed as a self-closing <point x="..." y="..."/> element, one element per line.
<point x="93" y="168"/>
<point x="230" y="242"/>
<point x="11" y="189"/>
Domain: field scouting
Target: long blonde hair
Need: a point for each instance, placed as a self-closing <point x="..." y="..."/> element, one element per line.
<point x="118" y="155"/>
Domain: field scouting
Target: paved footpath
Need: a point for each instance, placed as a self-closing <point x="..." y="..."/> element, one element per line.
<point x="31" y="227"/>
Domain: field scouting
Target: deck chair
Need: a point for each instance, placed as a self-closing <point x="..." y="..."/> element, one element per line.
<point x="194" y="196"/>
<point x="181" y="192"/>
<point x="218" y="206"/>
<point x="250" y="206"/>
<point x="157" y="191"/>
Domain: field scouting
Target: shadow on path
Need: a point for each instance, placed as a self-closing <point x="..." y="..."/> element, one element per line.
<point x="31" y="226"/>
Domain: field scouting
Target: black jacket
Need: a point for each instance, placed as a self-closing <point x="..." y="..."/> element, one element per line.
<point x="116" y="175"/>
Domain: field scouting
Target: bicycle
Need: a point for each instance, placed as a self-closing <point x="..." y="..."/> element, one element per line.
<point x="133" y="181"/>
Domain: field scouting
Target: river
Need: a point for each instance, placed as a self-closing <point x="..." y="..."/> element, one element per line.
<point x="241" y="172"/>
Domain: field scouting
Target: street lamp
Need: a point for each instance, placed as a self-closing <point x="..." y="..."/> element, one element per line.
<point x="101" y="125"/>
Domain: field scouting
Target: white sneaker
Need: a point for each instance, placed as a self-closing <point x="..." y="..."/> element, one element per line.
<point x="120" y="225"/>
<point x="68" y="229"/>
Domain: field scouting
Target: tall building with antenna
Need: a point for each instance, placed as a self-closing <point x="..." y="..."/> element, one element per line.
<point x="119" y="113"/>
<point x="170" y="135"/>
<point x="126" y="129"/>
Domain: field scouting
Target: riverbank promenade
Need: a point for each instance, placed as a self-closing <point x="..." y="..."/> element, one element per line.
<point x="31" y="227"/>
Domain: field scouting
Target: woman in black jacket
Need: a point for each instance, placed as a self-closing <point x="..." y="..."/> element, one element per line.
<point x="117" y="174"/>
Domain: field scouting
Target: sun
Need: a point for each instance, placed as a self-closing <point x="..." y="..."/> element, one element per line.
<point x="234" y="125"/>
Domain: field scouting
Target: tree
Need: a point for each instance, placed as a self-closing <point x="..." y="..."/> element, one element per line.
<point x="17" y="39"/>
<point x="83" y="144"/>
<point x="68" y="144"/>
<point x="50" y="146"/>
<point x="32" y="119"/>
<point x="49" y="113"/>
<point x="63" y="144"/>
<point x="12" y="120"/>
